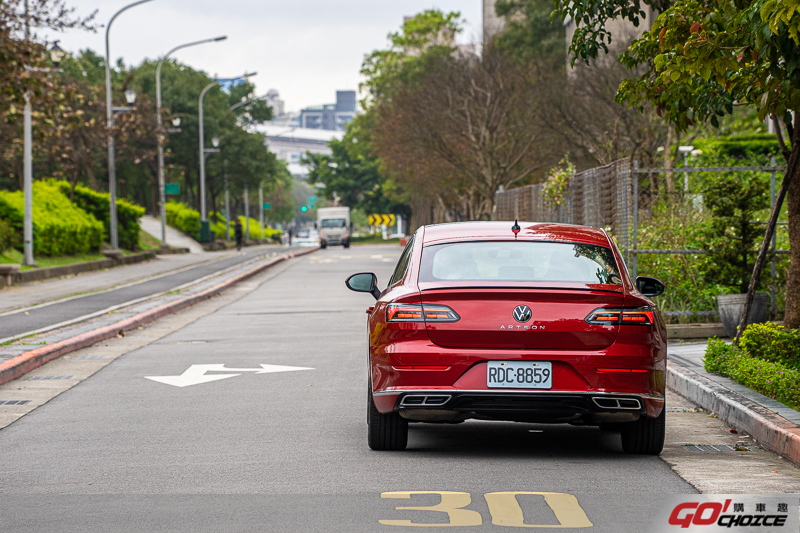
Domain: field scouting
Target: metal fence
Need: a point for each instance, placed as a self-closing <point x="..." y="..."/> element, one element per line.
<point x="610" y="197"/>
<point x="601" y="197"/>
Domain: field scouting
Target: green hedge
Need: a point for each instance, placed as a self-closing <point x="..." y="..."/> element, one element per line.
<point x="218" y="227"/>
<point x="97" y="204"/>
<point x="772" y="343"/>
<point x="59" y="227"/>
<point x="184" y="218"/>
<point x="8" y="236"/>
<point x="775" y="380"/>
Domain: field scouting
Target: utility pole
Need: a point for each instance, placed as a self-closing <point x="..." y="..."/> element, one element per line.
<point x="27" y="179"/>
<point x="246" y="215"/>
<point x="227" y="201"/>
<point x="261" y="207"/>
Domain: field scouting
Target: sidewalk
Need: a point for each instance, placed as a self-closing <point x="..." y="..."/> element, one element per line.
<point x="772" y="424"/>
<point x="175" y="238"/>
<point x="691" y="356"/>
<point x="56" y="289"/>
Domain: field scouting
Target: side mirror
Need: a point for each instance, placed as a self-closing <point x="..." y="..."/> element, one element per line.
<point x="649" y="286"/>
<point x="364" y="282"/>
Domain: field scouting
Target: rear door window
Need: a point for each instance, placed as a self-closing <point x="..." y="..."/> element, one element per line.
<point x="402" y="264"/>
<point x="519" y="261"/>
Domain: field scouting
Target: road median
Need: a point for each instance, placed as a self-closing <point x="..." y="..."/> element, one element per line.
<point x="769" y="429"/>
<point x="27" y="361"/>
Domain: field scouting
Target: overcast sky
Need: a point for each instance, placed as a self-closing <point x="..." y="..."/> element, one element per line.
<point x="306" y="49"/>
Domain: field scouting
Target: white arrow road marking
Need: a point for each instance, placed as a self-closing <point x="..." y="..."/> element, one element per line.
<point x="196" y="374"/>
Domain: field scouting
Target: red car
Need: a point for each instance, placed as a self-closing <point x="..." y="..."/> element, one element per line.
<point x="527" y="322"/>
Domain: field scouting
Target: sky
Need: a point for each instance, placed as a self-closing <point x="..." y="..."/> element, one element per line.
<point x="306" y="49"/>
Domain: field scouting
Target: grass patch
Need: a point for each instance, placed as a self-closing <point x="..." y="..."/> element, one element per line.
<point x="15" y="256"/>
<point x="148" y="242"/>
<point x="374" y="238"/>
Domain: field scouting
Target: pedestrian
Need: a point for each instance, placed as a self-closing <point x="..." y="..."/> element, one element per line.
<point x="237" y="231"/>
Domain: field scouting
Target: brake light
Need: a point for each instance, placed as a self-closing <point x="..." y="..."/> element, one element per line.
<point x="639" y="316"/>
<point x="420" y="313"/>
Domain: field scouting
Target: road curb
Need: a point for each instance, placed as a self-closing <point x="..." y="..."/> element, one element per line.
<point x="27" y="361"/>
<point x="770" y="430"/>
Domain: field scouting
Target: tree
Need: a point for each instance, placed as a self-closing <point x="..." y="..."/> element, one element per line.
<point x="353" y="174"/>
<point x="479" y="117"/>
<point x="702" y="58"/>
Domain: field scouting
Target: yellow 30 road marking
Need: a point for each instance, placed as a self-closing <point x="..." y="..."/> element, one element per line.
<point x="503" y="506"/>
<point x="452" y="503"/>
<point x="505" y="509"/>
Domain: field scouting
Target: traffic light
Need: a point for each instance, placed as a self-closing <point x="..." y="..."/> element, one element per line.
<point x="304" y="209"/>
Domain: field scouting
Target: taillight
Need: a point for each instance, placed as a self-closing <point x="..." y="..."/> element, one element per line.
<point x="638" y="316"/>
<point x="420" y="313"/>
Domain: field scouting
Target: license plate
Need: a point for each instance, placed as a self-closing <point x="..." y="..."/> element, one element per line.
<point x="520" y="374"/>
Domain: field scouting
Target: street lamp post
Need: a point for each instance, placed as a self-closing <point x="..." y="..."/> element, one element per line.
<point x="207" y="88"/>
<point x="56" y="55"/>
<point x="161" y="183"/>
<point x="261" y="208"/>
<point x="110" y="110"/>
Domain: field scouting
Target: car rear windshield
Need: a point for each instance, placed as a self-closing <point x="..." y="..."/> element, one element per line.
<point x="519" y="261"/>
<point x="333" y="223"/>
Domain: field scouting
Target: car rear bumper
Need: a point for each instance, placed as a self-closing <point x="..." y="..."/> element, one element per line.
<point x="580" y="407"/>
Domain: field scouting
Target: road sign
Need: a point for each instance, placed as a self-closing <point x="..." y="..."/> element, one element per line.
<point x="267" y="206"/>
<point x="197" y="374"/>
<point x="172" y="188"/>
<point x="312" y="200"/>
<point x="382" y="220"/>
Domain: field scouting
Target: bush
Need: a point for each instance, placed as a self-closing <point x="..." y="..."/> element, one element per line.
<point x="184" y="218"/>
<point x="8" y="236"/>
<point x="775" y="380"/>
<point x="59" y="227"/>
<point x="773" y="343"/>
<point x="218" y="227"/>
<point x="98" y="205"/>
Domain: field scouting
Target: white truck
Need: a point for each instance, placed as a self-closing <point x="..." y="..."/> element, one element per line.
<point x="333" y="224"/>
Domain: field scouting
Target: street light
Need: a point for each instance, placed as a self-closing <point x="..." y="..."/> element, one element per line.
<point x="215" y="142"/>
<point x="161" y="183"/>
<point x="110" y="110"/>
<point x="203" y="152"/>
<point x="56" y="55"/>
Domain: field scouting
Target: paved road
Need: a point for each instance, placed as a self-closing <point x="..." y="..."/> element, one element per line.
<point x="17" y="323"/>
<point x="287" y="451"/>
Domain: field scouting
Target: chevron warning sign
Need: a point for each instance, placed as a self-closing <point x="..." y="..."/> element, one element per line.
<point x="382" y="220"/>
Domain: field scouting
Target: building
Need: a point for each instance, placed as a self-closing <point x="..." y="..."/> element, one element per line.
<point x="622" y="33"/>
<point x="492" y="24"/>
<point x="332" y="117"/>
<point x="290" y="144"/>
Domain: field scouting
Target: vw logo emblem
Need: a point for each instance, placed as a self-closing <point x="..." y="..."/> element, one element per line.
<point x="522" y="313"/>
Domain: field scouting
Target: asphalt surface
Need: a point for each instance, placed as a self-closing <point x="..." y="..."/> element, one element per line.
<point x="287" y="451"/>
<point x="19" y="323"/>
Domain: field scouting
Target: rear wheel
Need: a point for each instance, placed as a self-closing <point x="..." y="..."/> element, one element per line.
<point x="385" y="431"/>
<point x="645" y="436"/>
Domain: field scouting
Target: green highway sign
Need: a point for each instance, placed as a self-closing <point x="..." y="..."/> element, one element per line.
<point x="266" y="206"/>
<point x="172" y="188"/>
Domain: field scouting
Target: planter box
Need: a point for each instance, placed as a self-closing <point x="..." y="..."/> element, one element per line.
<point x="731" y="307"/>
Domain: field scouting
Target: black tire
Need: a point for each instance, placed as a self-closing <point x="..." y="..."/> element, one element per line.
<point x="387" y="432"/>
<point x="645" y="436"/>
